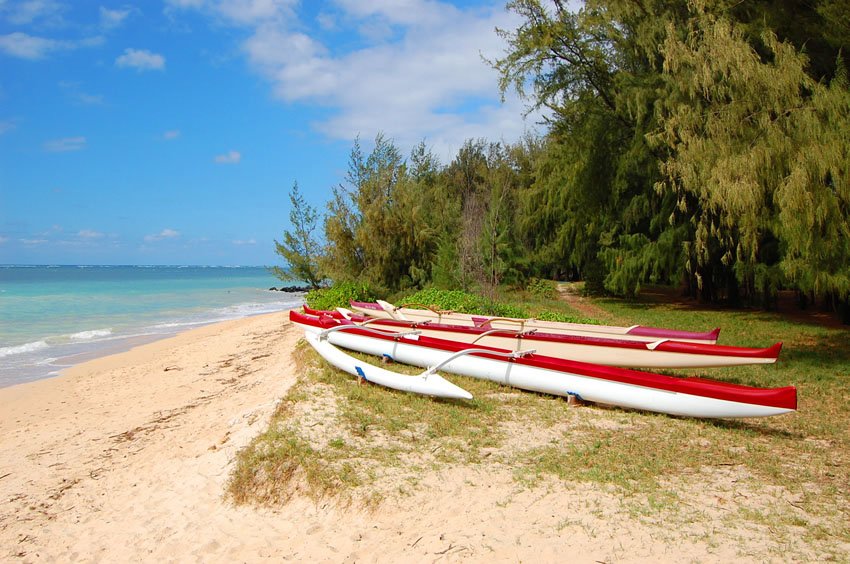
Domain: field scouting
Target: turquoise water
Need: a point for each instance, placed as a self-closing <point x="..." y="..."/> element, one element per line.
<point x="54" y="316"/>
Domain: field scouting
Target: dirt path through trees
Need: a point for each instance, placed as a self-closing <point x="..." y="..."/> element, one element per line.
<point x="571" y="292"/>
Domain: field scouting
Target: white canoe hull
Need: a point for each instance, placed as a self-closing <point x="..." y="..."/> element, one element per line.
<point x="555" y="382"/>
<point x="430" y="385"/>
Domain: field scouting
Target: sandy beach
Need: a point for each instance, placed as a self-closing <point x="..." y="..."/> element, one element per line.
<point x="126" y="459"/>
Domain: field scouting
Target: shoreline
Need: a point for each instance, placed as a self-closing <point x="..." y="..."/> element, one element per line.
<point x="53" y="315"/>
<point x="93" y="350"/>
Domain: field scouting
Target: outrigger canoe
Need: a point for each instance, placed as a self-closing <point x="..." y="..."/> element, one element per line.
<point x="386" y="310"/>
<point x="429" y="384"/>
<point x="612" y="351"/>
<point x="689" y="397"/>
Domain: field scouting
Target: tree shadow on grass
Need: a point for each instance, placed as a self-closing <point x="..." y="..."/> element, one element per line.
<point x="786" y="307"/>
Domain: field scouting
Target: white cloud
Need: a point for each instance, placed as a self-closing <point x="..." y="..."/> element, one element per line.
<point x="418" y="72"/>
<point x="164" y="234"/>
<point x="89" y="234"/>
<point x="243" y="242"/>
<point x="31" y="47"/>
<point x="140" y="59"/>
<point x="112" y="19"/>
<point x="231" y="157"/>
<point x="33" y="242"/>
<point x="65" y="144"/>
<point x="3" y="240"/>
<point x="30" y="11"/>
<point x="326" y="21"/>
<point x="185" y="4"/>
<point x="89" y="99"/>
<point x="75" y="92"/>
<point x="402" y="12"/>
<point x="239" y="12"/>
<point x="415" y="71"/>
<point x="171" y="134"/>
<point x="247" y="12"/>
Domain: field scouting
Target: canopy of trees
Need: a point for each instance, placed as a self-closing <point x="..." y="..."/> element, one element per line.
<point x="704" y="144"/>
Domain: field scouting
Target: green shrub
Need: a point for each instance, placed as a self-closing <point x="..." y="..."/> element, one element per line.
<point x="508" y="310"/>
<point x="339" y="295"/>
<point x="463" y="302"/>
<point x="563" y="317"/>
<point x="544" y="289"/>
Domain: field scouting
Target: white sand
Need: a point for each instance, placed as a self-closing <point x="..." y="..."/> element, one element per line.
<point x="125" y="459"/>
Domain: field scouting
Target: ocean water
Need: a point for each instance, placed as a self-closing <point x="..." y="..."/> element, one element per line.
<point x="52" y="317"/>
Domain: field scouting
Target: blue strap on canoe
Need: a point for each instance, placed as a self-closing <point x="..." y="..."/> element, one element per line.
<point x="361" y="373"/>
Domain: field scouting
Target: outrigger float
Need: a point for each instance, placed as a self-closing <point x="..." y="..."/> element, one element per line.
<point x="528" y="370"/>
<point x="427" y="383"/>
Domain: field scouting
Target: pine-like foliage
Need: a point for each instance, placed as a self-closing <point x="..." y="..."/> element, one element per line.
<point x="377" y="227"/>
<point x="591" y="211"/>
<point x="759" y="159"/>
<point x="299" y="248"/>
<point x="689" y="141"/>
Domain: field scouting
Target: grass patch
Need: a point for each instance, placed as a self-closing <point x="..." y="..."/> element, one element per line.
<point x="334" y="438"/>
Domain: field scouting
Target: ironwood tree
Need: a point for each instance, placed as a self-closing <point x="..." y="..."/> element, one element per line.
<point x="300" y="248"/>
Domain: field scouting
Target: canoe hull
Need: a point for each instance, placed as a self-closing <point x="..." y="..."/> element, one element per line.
<point x="625" y="357"/>
<point x="612" y="351"/>
<point x="637" y="333"/>
<point x="643" y="391"/>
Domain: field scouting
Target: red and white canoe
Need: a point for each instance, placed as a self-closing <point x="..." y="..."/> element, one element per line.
<point x="386" y="310"/>
<point x="609" y="351"/>
<point x="690" y="397"/>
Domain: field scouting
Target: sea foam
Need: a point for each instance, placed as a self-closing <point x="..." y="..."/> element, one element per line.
<point x="22" y="349"/>
<point x="93" y="334"/>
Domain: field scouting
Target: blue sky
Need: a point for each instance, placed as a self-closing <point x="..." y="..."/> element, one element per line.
<point x="170" y="132"/>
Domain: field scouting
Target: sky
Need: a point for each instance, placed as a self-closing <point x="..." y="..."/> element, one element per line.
<point x="171" y="131"/>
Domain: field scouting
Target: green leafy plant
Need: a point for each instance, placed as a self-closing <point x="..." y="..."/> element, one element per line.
<point x="339" y="295"/>
<point x="563" y="317"/>
<point x="540" y="288"/>
<point x="463" y="302"/>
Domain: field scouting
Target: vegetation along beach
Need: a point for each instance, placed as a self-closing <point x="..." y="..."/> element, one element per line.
<point x="534" y="281"/>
